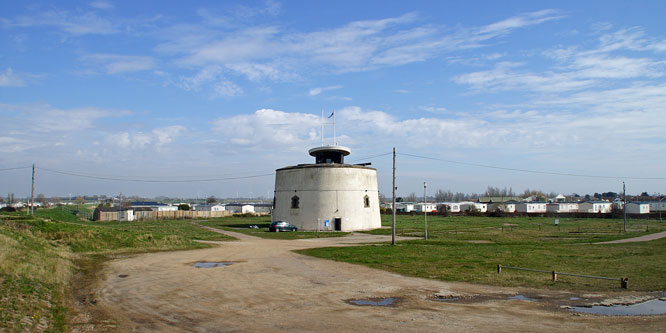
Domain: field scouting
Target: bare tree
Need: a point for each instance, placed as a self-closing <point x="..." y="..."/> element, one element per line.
<point x="411" y="197"/>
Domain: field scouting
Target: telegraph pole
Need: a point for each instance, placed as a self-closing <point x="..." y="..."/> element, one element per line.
<point x="120" y="206"/>
<point x="32" y="192"/>
<point x="425" y="210"/>
<point x="624" y="208"/>
<point x="393" y="206"/>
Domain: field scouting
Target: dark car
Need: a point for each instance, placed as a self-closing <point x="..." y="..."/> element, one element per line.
<point x="278" y="226"/>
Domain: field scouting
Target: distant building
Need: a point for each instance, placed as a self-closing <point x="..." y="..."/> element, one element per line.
<point x="404" y="207"/>
<point x="153" y="205"/>
<point x="602" y="207"/>
<point x="562" y="207"/>
<point x="240" y="208"/>
<point x="638" y="208"/>
<point x="209" y="207"/>
<point x="481" y="207"/>
<point x="531" y="207"/>
<point x="506" y="207"/>
<point x="111" y="214"/>
<point x="452" y="207"/>
<point x="657" y="206"/>
<point x="498" y="199"/>
<point x="263" y="208"/>
<point x="427" y="207"/>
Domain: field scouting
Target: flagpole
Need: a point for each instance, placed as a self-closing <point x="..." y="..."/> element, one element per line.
<point x="322" y="127"/>
<point x="335" y="138"/>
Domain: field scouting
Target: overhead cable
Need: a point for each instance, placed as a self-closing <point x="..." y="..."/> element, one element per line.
<point x="532" y="171"/>
<point x="153" y="181"/>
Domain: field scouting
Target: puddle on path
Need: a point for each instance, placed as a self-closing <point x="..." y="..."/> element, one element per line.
<point x="212" y="264"/>
<point x="653" y="307"/>
<point x="445" y="299"/>
<point x="522" y="298"/>
<point x="123" y="275"/>
<point x="387" y="301"/>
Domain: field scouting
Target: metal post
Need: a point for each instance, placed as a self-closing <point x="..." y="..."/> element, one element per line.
<point x="499" y="268"/>
<point x="554" y="276"/>
<point x="120" y="207"/>
<point x="624" y="208"/>
<point x="425" y="210"/>
<point x="393" y="206"/>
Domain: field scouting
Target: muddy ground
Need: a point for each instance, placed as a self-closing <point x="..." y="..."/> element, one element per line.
<point x="270" y="288"/>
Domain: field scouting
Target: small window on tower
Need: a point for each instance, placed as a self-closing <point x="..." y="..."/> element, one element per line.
<point x="366" y="201"/>
<point x="295" y="201"/>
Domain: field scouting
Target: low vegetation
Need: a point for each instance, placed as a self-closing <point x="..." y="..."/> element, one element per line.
<point x="40" y="255"/>
<point x="243" y="224"/>
<point x="470" y="248"/>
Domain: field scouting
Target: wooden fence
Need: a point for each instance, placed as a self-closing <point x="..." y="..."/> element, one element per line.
<point x="167" y="215"/>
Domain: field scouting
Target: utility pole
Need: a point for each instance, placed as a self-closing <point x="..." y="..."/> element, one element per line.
<point x="393" y="206"/>
<point x="624" y="208"/>
<point x="32" y="192"/>
<point x="425" y="210"/>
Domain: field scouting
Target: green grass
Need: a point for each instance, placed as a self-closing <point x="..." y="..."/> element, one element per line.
<point x="39" y="256"/>
<point x="242" y="224"/>
<point x="470" y="248"/>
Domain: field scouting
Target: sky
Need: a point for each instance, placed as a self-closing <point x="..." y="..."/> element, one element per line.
<point x="193" y="99"/>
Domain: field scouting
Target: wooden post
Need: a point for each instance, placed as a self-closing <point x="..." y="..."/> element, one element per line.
<point x="554" y="276"/>
<point x="499" y="268"/>
<point x="624" y="283"/>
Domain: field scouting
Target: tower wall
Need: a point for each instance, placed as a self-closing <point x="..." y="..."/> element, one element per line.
<point x="326" y="192"/>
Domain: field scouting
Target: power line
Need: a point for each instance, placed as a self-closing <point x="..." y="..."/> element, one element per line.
<point x="17" y="168"/>
<point x="532" y="171"/>
<point x="369" y="157"/>
<point x="153" y="181"/>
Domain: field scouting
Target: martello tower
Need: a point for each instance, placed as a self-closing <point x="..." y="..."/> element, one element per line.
<point x="329" y="194"/>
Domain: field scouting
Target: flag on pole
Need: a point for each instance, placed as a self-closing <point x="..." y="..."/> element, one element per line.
<point x="332" y="113"/>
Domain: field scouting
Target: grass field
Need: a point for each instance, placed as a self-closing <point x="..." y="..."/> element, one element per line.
<point x="40" y="255"/>
<point x="242" y="224"/>
<point x="470" y="248"/>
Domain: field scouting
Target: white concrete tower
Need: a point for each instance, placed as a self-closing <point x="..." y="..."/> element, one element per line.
<point x="327" y="195"/>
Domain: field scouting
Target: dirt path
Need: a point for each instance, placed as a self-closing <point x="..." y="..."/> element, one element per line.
<point x="645" y="238"/>
<point x="270" y="288"/>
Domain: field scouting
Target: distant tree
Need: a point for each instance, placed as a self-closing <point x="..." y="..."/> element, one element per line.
<point x="398" y="199"/>
<point x="382" y="198"/>
<point x="79" y="200"/>
<point x="41" y="198"/>
<point x="55" y="200"/>
<point x="597" y="195"/>
<point x="411" y="197"/>
<point x="183" y="207"/>
<point x="211" y="200"/>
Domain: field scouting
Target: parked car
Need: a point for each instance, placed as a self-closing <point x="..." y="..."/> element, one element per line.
<point x="278" y="226"/>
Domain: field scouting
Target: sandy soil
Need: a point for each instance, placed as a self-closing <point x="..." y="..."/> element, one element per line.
<point x="270" y="288"/>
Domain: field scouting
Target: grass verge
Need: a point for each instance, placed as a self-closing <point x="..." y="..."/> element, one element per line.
<point x="470" y="248"/>
<point x="40" y="256"/>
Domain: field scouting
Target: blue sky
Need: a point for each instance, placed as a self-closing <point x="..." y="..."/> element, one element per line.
<point x="166" y="91"/>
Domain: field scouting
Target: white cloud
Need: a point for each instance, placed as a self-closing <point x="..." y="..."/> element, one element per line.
<point x="117" y="64"/>
<point x="520" y="21"/>
<point x="319" y="90"/>
<point x="11" y="79"/>
<point x="270" y="52"/>
<point x="104" y="5"/>
<point x="212" y="75"/>
<point x="73" y="23"/>
<point x="269" y="129"/>
<point x="157" y="138"/>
